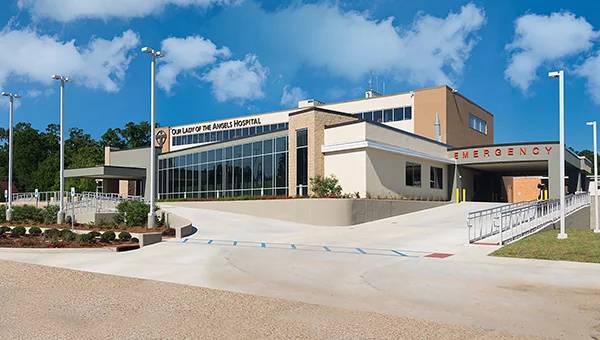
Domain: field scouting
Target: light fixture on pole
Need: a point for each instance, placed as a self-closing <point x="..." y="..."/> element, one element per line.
<point x="155" y="55"/>
<point x="561" y="92"/>
<point x="60" y="218"/>
<point x="11" y="108"/>
<point x="597" y="226"/>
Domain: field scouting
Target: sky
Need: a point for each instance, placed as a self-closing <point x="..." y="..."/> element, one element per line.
<point x="226" y="58"/>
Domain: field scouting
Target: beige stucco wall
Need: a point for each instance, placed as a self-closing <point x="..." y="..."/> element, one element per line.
<point x="386" y="177"/>
<point x="350" y="168"/>
<point x="457" y="116"/>
<point x="357" y="154"/>
<point x="453" y="110"/>
<point x="315" y="121"/>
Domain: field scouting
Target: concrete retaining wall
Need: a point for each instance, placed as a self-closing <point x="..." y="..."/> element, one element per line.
<point x="578" y="220"/>
<point x="183" y="227"/>
<point x="324" y="212"/>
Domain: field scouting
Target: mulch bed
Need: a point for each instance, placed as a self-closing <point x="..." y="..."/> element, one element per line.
<point x="28" y="241"/>
<point x="117" y="229"/>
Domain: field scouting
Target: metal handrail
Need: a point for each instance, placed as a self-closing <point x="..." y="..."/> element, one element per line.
<point x="517" y="221"/>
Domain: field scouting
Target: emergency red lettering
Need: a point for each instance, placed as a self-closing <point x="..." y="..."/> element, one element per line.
<point x="498" y="152"/>
<point x="548" y="149"/>
<point x="465" y="154"/>
<point x="476" y="153"/>
<point x="455" y="154"/>
<point x="523" y="151"/>
<point x="486" y="153"/>
<point x="510" y="151"/>
<point x="536" y="151"/>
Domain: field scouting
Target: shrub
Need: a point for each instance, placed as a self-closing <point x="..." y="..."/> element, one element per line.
<point x="85" y="238"/>
<point x="124" y="236"/>
<point x="49" y="214"/>
<point x="4" y="230"/>
<point x="108" y="236"/>
<point x="133" y="213"/>
<point x="327" y="186"/>
<point x="135" y="240"/>
<point x="2" y="212"/>
<point x="35" y="231"/>
<point x="93" y="234"/>
<point x="18" y="231"/>
<point x="68" y="235"/>
<point x="27" y="213"/>
<point x="51" y="233"/>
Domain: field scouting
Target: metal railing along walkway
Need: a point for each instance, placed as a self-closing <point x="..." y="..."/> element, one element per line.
<point x="89" y="201"/>
<point x="510" y="222"/>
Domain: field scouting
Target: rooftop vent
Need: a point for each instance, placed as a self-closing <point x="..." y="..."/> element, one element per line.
<point x="372" y="94"/>
<point x="309" y="103"/>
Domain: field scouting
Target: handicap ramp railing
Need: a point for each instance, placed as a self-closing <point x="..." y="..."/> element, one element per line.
<point x="83" y="201"/>
<point x="511" y="222"/>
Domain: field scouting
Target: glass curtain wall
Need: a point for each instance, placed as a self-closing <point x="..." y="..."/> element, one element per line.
<point x="256" y="168"/>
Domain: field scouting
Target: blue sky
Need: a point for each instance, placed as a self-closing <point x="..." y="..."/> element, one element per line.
<point x="228" y="58"/>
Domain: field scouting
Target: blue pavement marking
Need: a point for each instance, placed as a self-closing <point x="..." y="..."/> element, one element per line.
<point x="313" y="248"/>
<point x="399" y="253"/>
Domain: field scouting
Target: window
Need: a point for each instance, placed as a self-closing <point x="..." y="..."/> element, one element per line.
<point x="408" y="113"/>
<point x="436" y="178"/>
<point x="413" y="174"/>
<point x="387" y="115"/>
<point x="302" y="162"/>
<point x="377" y="116"/>
<point x="477" y="124"/>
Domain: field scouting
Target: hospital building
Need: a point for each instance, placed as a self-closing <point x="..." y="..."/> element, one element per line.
<point x="427" y="144"/>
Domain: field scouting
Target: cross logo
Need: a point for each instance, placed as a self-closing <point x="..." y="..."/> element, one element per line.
<point x="161" y="137"/>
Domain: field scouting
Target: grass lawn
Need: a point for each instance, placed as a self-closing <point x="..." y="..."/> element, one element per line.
<point x="581" y="246"/>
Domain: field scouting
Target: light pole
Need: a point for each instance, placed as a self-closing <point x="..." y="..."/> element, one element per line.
<point x="61" y="212"/>
<point x="154" y="55"/>
<point x="593" y="125"/>
<point x="11" y="108"/>
<point x="561" y="92"/>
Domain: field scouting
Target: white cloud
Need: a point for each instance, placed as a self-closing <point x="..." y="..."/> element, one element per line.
<point x="34" y="57"/>
<point x="186" y="55"/>
<point x="350" y="44"/>
<point x="69" y="10"/>
<point x="292" y="95"/>
<point x="540" y="39"/>
<point x="238" y="79"/>
<point x="590" y="69"/>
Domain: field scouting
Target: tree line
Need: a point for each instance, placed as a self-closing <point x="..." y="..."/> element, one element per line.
<point x="36" y="154"/>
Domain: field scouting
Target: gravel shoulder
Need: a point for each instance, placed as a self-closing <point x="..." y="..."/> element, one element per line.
<point x="46" y="302"/>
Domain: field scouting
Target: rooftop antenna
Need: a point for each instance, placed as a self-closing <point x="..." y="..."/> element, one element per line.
<point x="383" y="90"/>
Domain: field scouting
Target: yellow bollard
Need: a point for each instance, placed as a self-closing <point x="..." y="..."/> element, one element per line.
<point x="546" y="195"/>
<point x="464" y="195"/>
<point x="457" y="195"/>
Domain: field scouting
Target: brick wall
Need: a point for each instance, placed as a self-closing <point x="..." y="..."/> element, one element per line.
<point x="315" y="121"/>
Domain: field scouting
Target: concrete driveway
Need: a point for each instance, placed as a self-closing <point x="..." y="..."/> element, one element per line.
<point x="523" y="297"/>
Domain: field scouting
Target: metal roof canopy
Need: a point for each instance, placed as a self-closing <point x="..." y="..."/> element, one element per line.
<point x="107" y="172"/>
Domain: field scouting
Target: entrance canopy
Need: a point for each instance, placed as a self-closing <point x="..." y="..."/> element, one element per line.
<point x="107" y="172"/>
<point x="489" y="172"/>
